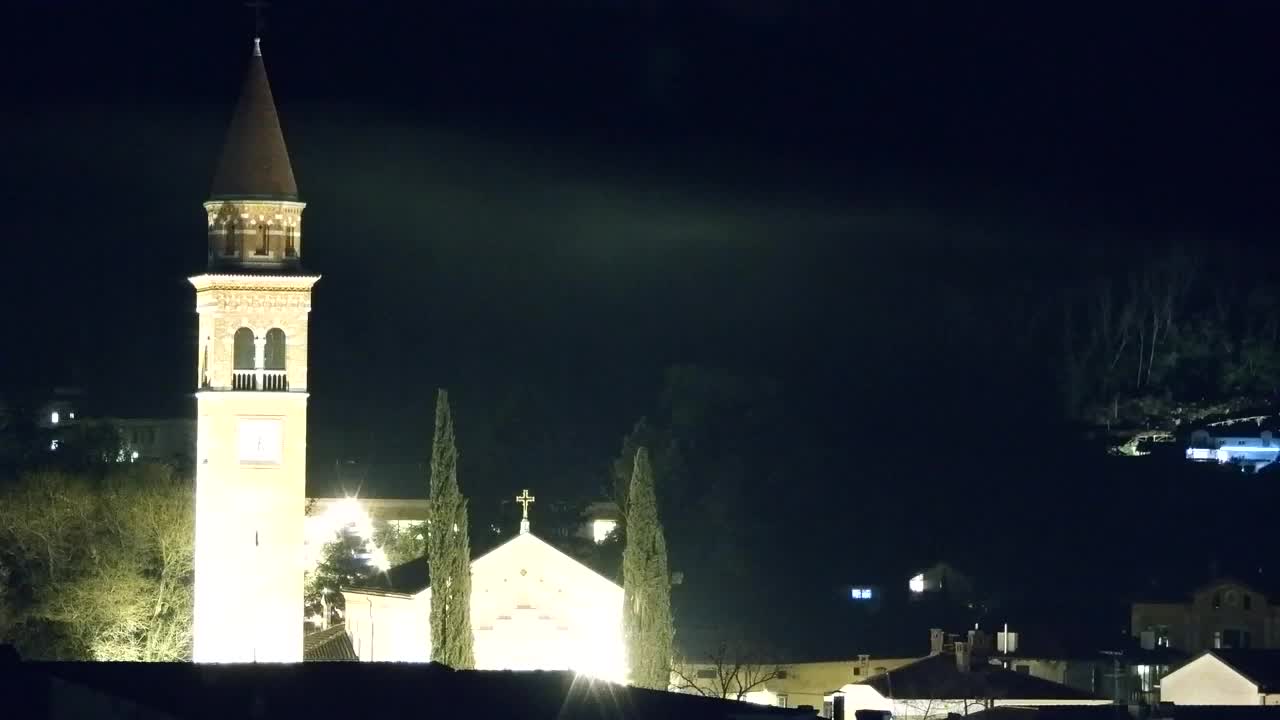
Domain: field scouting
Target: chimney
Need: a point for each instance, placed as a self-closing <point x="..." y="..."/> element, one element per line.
<point x="962" y="656"/>
<point x="936" y="640"/>
<point x="1007" y="642"/>
<point x="979" y="642"/>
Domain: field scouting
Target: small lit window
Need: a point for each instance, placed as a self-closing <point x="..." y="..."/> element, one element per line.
<point x="54" y="417"/>
<point x="916" y="584"/>
<point x="53" y="444"/>
<point x="861" y="593"/>
<point x="71" y="415"/>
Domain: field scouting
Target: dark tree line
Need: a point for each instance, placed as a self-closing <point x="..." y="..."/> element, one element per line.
<point x="1181" y="335"/>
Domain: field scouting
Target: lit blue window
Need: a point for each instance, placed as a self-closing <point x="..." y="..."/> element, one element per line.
<point x="861" y="593"/>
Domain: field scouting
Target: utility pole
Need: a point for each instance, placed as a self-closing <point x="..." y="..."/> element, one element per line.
<point x="1115" y="676"/>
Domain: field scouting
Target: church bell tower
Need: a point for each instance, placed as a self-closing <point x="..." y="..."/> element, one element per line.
<point x="251" y="395"/>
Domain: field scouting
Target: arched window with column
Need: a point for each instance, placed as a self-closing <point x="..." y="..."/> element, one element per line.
<point x="243" y="365"/>
<point x="274" y="361"/>
<point x="229" y="240"/>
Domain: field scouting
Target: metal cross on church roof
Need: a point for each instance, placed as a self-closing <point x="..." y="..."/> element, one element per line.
<point x="524" y="498"/>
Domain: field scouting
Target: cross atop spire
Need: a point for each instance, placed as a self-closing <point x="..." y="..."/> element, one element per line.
<point x="255" y="163"/>
<point x="258" y="6"/>
<point x="524" y="498"/>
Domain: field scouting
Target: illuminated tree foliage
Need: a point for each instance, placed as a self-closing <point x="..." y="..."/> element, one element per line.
<point x="448" y="550"/>
<point x="401" y="544"/>
<point x="646" y="583"/>
<point x="342" y="563"/>
<point x="99" y="568"/>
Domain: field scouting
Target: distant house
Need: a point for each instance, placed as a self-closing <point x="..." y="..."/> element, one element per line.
<point x="1252" y="451"/>
<point x="164" y="440"/>
<point x="1223" y="614"/>
<point x="942" y="579"/>
<point x="1226" y="677"/>
<point x="1163" y="711"/>
<point x="949" y="682"/>
<point x="782" y="684"/>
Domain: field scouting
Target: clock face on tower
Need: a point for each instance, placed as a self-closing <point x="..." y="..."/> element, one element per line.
<point x="260" y="440"/>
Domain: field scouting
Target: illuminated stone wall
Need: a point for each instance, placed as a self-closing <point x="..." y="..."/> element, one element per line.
<point x="250" y="497"/>
<point x="227" y="303"/>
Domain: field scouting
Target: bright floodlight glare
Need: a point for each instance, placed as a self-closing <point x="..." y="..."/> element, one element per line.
<point x="601" y="529"/>
<point x="916" y="584"/>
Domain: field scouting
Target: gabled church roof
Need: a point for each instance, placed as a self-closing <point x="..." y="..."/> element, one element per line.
<point x="255" y="162"/>
<point x="414" y="576"/>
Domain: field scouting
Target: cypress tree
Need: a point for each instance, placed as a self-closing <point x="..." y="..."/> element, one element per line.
<point x="448" y="550"/>
<point x="646" y="584"/>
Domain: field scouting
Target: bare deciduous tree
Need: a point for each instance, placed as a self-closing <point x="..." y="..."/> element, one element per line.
<point x="731" y="671"/>
<point x="107" y="563"/>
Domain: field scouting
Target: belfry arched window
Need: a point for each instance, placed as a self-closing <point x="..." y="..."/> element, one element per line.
<point x="273" y="360"/>
<point x="229" y="240"/>
<point x="262" y="240"/>
<point x="273" y="357"/>
<point x="243" y="361"/>
<point x="244" y="349"/>
<point x="289" y="250"/>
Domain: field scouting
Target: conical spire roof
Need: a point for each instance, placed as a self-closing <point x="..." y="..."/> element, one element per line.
<point x="255" y="163"/>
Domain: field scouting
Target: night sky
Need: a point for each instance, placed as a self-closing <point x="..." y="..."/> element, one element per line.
<point x="869" y="203"/>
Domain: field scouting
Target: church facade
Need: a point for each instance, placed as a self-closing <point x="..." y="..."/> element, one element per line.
<point x="532" y="608"/>
<point x="251" y="396"/>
